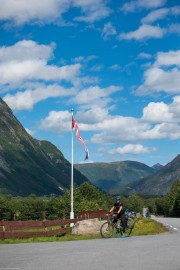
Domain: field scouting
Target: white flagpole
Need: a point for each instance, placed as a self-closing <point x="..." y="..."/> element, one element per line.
<point x="72" y="161"/>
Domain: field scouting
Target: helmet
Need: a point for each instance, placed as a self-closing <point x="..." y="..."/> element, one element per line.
<point x="118" y="197"/>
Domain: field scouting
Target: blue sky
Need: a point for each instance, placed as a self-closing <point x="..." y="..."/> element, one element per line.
<point x="116" y="63"/>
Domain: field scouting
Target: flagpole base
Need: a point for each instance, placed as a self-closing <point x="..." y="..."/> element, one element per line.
<point x="71" y="217"/>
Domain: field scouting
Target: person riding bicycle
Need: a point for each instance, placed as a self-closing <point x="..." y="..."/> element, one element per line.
<point x="118" y="206"/>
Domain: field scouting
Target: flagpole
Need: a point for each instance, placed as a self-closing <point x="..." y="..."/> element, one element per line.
<point x="72" y="175"/>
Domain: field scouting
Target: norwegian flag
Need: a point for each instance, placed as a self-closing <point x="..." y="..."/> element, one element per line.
<point x="75" y="126"/>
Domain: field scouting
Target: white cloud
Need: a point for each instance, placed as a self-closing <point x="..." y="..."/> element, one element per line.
<point x="165" y="130"/>
<point x="56" y="121"/>
<point x="163" y="75"/>
<point x="92" y="116"/>
<point x="133" y="149"/>
<point x="95" y="95"/>
<point x="115" y="67"/>
<point x="142" y="4"/>
<point x="127" y="129"/>
<point x="144" y="55"/>
<point x="168" y="58"/>
<point x="159" y="120"/>
<point x="28" y="61"/>
<point x="157" y="112"/>
<point x="108" y="31"/>
<point x="23" y="11"/>
<point x="97" y="68"/>
<point x="145" y="31"/>
<point x="155" y="15"/>
<point x="47" y="11"/>
<point x="175" y="107"/>
<point x="157" y="80"/>
<point x="27" y="99"/>
<point x="119" y="129"/>
<point x="93" y="10"/>
<point x="26" y="50"/>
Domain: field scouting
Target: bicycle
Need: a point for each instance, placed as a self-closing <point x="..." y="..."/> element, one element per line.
<point x="108" y="229"/>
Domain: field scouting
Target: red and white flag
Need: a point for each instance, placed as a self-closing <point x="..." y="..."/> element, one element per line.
<point x="75" y="126"/>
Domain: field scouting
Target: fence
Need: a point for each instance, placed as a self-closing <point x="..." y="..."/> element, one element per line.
<point x="35" y="228"/>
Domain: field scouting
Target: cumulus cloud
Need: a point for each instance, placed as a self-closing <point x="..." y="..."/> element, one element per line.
<point x="163" y="75"/>
<point x="165" y="130"/>
<point x="56" y="121"/>
<point x="92" y="116"/>
<point x="25" y="66"/>
<point x="158" y="80"/>
<point x="95" y="95"/>
<point x="155" y="15"/>
<point x="144" y="55"/>
<point x="119" y="129"/>
<point x="27" y="99"/>
<point x="145" y="31"/>
<point x="171" y="58"/>
<point x="108" y="31"/>
<point x="159" y="120"/>
<point x="48" y="11"/>
<point x="155" y="112"/>
<point x="142" y="4"/>
<point x="92" y="10"/>
<point x="27" y="60"/>
<point x="26" y="50"/>
<point x="21" y="12"/>
<point x="115" y="67"/>
<point x="133" y="149"/>
<point x="175" y="107"/>
<point x="126" y="129"/>
<point x="160" y="14"/>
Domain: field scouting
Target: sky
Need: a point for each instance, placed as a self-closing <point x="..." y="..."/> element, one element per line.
<point x="116" y="63"/>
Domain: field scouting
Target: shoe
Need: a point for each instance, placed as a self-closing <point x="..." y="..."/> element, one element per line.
<point x="123" y="236"/>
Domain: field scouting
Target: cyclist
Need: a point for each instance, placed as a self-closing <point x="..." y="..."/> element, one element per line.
<point x="118" y="206"/>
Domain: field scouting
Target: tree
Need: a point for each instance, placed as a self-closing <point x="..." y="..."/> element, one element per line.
<point x="173" y="200"/>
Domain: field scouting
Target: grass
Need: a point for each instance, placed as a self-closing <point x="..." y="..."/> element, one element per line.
<point x="66" y="237"/>
<point x="143" y="226"/>
<point x="146" y="226"/>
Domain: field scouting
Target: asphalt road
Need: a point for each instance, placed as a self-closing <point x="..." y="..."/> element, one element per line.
<point x="158" y="252"/>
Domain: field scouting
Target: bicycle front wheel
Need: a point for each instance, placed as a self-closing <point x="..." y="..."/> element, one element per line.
<point x="107" y="230"/>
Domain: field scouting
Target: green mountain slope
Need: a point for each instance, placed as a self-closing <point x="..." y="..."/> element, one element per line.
<point x="160" y="182"/>
<point x="28" y="165"/>
<point x="113" y="177"/>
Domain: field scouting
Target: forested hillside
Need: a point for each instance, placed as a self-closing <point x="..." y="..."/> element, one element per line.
<point x="28" y="165"/>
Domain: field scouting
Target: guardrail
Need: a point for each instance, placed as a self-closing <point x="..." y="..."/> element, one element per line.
<point x="35" y="228"/>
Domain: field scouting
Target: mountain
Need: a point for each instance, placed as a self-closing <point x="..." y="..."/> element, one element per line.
<point x="160" y="182"/>
<point x="157" y="167"/>
<point x="114" y="176"/>
<point x="28" y="165"/>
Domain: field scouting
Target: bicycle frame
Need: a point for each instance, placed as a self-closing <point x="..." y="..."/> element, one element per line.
<point x="107" y="228"/>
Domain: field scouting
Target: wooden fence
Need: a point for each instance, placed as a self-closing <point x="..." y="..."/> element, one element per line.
<point x="35" y="228"/>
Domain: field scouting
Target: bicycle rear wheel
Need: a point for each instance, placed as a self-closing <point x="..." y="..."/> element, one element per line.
<point x="107" y="229"/>
<point x="130" y="225"/>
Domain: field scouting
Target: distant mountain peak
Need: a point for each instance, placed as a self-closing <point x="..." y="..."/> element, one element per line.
<point x="157" y="166"/>
<point x="160" y="182"/>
